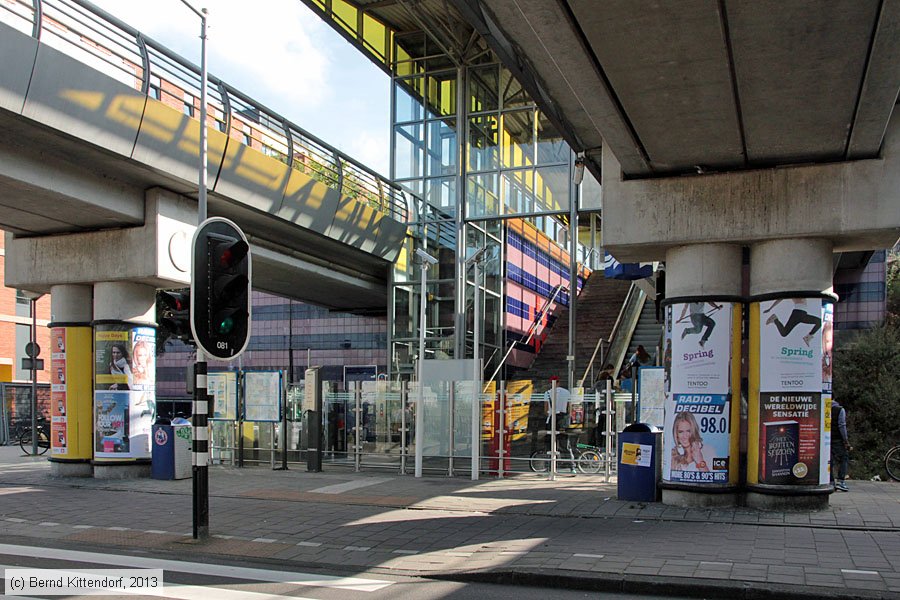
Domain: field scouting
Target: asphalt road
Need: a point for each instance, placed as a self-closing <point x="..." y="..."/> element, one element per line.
<point x="189" y="577"/>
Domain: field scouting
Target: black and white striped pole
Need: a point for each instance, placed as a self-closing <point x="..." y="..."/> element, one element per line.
<point x="200" y="451"/>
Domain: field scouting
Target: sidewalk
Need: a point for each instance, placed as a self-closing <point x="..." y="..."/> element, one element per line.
<point x="570" y="532"/>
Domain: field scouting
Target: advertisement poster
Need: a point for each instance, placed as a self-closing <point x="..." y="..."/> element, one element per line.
<point x="697" y="438"/>
<point x="112" y="421"/>
<point x="825" y="450"/>
<point x="58" y="403"/>
<point x="262" y="395"/>
<point x="638" y="455"/>
<point x="222" y="388"/>
<point x="700" y="347"/>
<point x="652" y="396"/>
<point x="790" y="352"/>
<point x="789" y="441"/>
<point x="124" y="390"/>
<point x="827" y="344"/>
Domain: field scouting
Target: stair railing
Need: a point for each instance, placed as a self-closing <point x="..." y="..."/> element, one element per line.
<point x="624" y="327"/>
<point x="601" y="340"/>
<point x="532" y="329"/>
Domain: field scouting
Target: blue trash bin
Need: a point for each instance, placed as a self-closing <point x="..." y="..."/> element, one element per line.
<point x="640" y="464"/>
<point x="162" y="461"/>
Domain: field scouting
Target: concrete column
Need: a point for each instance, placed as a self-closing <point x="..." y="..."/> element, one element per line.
<point x="788" y="446"/>
<point x="124" y="378"/>
<point x="71" y="376"/>
<point x="702" y="356"/>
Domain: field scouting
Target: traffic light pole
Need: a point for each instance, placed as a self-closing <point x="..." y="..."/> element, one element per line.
<point x="200" y="454"/>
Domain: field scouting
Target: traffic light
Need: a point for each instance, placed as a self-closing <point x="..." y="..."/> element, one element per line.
<point x="220" y="289"/>
<point x="173" y="313"/>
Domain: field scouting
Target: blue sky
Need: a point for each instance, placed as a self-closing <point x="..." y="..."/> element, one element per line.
<point x="280" y="53"/>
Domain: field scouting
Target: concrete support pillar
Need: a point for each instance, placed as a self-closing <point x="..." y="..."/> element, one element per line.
<point x="71" y="377"/>
<point x="702" y="356"/>
<point x="791" y="316"/>
<point x="124" y="378"/>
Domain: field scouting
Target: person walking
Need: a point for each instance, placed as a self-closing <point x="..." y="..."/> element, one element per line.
<point x="561" y="408"/>
<point x="840" y="446"/>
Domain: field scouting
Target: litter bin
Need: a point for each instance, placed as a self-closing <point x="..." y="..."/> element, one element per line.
<point x="171" y="454"/>
<point x="640" y="466"/>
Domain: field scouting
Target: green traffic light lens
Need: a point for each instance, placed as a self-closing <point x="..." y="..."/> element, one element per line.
<point x="226" y="325"/>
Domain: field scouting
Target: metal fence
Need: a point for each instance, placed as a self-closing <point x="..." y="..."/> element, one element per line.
<point x="15" y="409"/>
<point x="372" y="427"/>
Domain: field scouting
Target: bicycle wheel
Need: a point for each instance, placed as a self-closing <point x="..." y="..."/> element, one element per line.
<point x="25" y="441"/>
<point x="43" y="441"/>
<point x="539" y="461"/>
<point x="590" y="462"/>
<point x="892" y="463"/>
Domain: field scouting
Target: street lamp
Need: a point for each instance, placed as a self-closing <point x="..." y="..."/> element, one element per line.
<point x="200" y="457"/>
<point x="427" y="261"/>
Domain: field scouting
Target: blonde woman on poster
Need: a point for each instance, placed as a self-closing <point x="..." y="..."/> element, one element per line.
<point x="687" y="455"/>
<point x="142" y="365"/>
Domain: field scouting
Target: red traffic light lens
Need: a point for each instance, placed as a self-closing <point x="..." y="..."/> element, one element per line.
<point x="225" y="259"/>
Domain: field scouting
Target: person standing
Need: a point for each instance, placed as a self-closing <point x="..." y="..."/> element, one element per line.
<point x="561" y="408"/>
<point x="840" y="446"/>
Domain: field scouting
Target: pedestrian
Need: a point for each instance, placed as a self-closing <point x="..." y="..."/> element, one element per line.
<point x="840" y="446"/>
<point x="561" y="408"/>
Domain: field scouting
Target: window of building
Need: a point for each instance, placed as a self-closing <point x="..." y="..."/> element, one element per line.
<point x="188" y="105"/>
<point x="155" y="90"/>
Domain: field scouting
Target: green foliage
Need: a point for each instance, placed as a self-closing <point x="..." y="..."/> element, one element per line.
<point x="867" y="384"/>
<point x="893" y="284"/>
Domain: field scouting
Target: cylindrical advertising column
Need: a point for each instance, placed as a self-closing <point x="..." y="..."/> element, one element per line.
<point x="71" y="374"/>
<point x="791" y="319"/>
<point x="124" y="379"/>
<point x="702" y="358"/>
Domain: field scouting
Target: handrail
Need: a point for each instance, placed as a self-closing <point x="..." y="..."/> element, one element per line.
<point x="612" y="335"/>
<point x="90" y="34"/>
<point x="531" y="331"/>
<point x="628" y="317"/>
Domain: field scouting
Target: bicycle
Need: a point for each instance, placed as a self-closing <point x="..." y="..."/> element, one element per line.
<point x="892" y="463"/>
<point x="43" y="438"/>
<point x="589" y="460"/>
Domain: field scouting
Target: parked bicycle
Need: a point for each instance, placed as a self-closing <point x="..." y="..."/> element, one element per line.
<point x="892" y="463"/>
<point x="43" y="438"/>
<point x="588" y="459"/>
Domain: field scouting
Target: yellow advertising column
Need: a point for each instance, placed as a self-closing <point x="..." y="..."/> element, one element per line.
<point x="71" y="389"/>
<point x="788" y="445"/>
<point x="702" y="360"/>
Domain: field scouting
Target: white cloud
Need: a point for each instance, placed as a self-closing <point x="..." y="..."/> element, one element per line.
<point x="284" y="57"/>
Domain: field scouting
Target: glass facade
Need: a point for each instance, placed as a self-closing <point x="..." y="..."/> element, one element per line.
<point x="513" y="173"/>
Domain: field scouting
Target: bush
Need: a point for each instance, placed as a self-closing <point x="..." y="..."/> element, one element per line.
<point x="867" y="384"/>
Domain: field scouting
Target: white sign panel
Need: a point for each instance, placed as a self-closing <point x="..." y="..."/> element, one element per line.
<point x="262" y="396"/>
<point x="790" y="353"/>
<point x="701" y="347"/>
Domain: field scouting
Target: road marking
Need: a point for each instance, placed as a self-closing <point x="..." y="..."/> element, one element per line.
<point x="340" y="488"/>
<point x="857" y="572"/>
<point x="406" y="551"/>
<point x="310" y="544"/>
<point x="177" y="591"/>
<point x="589" y="555"/>
<point x="264" y="540"/>
<point x="357" y="584"/>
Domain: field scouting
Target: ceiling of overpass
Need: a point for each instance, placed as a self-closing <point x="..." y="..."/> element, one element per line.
<point x="695" y="85"/>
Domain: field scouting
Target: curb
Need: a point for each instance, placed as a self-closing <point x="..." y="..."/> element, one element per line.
<point x="661" y="586"/>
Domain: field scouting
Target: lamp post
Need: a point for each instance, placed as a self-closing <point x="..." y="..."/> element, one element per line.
<point x="200" y="454"/>
<point x="427" y="261"/>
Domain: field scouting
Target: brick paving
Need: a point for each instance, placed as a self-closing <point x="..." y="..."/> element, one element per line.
<point x="524" y="528"/>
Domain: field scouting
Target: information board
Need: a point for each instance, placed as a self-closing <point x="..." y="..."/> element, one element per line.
<point x="262" y="396"/>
